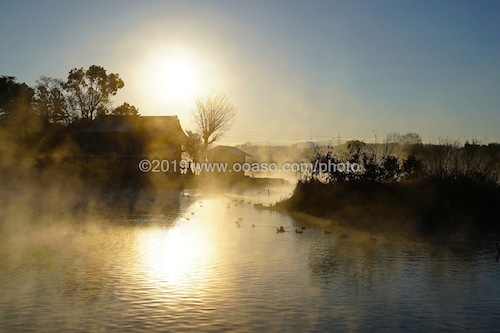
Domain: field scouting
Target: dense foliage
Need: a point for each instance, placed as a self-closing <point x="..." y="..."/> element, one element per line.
<point x="444" y="191"/>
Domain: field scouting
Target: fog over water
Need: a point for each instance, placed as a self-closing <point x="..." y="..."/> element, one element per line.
<point x="216" y="263"/>
<point x="242" y="166"/>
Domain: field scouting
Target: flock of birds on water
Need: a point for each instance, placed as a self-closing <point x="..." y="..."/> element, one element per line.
<point x="300" y="230"/>
<point x="280" y="229"/>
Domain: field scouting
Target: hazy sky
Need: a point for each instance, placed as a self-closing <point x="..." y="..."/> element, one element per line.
<point x="296" y="70"/>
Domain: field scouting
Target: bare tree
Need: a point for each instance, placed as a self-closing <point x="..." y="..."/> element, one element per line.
<point x="213" y="116"/>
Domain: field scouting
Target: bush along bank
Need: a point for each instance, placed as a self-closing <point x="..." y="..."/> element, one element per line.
<point x="411" y="197"/>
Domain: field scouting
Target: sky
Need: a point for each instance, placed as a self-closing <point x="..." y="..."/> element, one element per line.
<point x="295" y="70"/>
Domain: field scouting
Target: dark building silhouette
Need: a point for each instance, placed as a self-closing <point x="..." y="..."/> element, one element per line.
<point x="113" y="146"/>
<point x="140" y="136"/>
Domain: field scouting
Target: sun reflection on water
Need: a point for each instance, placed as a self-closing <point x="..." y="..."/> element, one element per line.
<point x="205" y="272"/>
<point x="177" y="256"/>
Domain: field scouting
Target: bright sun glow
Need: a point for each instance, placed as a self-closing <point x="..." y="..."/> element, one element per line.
<point x="172" y="77"/>
<point x="177" y="79"/>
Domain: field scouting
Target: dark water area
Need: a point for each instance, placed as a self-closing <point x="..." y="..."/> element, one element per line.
<point x="215" y="263"/>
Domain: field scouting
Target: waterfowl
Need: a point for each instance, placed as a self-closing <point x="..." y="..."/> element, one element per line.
<point x="298" y="231"/>
<point x="253" y="225"/>
<point x="258" y="206"/>
<point x="344" y="235"/>
<point x="373" y="239"/>
<point x="280" y="229"/>
<point x="327" y="232"/>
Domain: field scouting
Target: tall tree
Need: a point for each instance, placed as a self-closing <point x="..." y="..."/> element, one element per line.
<point x="214" y="115"/>
<point x="90" y="90"/>
<point x="49" y="101"/>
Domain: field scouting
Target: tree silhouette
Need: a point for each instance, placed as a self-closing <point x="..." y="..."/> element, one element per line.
<point x="213" y="116"/>
<point x="49" y="101"/>
<point x="90" y="90"/>
<point x="125" y="110"/>
<point x="192" y="145"/>
<point x="15" y="98"/>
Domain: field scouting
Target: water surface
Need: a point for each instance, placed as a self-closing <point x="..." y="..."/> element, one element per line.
<point x="203" y="267"/>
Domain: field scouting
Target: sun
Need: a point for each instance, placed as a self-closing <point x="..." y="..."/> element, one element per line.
<point x="177" y="79"/>
<point x="171" y="78"/>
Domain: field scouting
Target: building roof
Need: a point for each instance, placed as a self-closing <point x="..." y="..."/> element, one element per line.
<point x="153" y="126"/>
<point x="159" y="126"/>
<point x="228" y="149"/>
<point x="115" y="124"/>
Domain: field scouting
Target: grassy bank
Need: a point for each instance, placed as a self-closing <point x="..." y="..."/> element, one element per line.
<point x="435" y="209"/>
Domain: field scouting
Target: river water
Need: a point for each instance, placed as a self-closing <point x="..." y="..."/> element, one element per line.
<point x="216" y="263"/>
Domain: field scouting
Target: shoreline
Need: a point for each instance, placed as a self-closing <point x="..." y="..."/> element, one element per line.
<point x="427" y="211"/>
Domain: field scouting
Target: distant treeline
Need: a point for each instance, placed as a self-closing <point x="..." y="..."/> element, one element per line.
<point x="395" y="161"/>
<point x="445" y="190"/>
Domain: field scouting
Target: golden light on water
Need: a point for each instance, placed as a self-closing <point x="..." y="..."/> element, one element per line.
<point x="172" y="256"/>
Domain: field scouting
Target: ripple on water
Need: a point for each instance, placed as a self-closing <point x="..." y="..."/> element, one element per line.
<point x="203" y="274"/>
